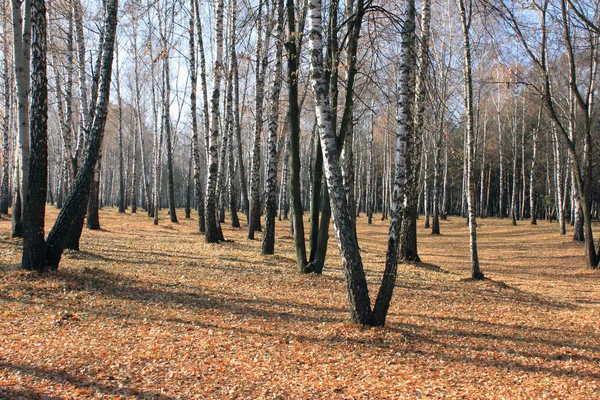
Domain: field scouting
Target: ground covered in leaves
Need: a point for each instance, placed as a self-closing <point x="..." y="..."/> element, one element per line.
<point x="149" y="311"/>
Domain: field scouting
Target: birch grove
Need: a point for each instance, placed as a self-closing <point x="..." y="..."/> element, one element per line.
<point x="284" y="117"/>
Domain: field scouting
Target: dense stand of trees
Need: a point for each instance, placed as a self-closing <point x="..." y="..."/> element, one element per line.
<point x="332" y="110"/>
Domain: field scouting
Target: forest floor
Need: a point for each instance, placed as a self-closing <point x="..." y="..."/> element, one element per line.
<point x="154" y="312"/>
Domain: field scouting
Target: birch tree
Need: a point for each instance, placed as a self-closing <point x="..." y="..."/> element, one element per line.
<point x="268" y="246"/>
<point x="76" y="200"/>
<point x="34" y="207"/>
<point x="21" y="19"/>
<point x="212" y="233"/>
<point x="466" y="14"/>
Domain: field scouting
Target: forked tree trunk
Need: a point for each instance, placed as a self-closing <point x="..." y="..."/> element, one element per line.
<point x="77" y="198"/>
<point x="358" y="295"/>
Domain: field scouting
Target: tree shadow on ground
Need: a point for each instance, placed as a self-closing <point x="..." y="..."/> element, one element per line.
<point x="61" y="376"/>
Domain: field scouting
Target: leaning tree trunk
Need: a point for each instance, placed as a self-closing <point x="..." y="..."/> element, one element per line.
<point x="318" y="261"/>
<point x="77" y="198"/>
<point x="405" y="124"/>
<point x="358" y="294"/>
<point x="34" y="206"/>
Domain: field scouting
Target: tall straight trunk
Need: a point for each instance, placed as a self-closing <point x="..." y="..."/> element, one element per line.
<point x="6" y="145"/>
<point x="532" y="191"/>
<point x="231" y="125"/>
<point x="293" y="69"/>
<point x="384" y="177"/>
<point x="558" y="183"/>
<point x="166" y="121"/>
<point x="501" y="158"/>
<point x="445" y="180"/>
<point x="576" y="217"/>
<point x="316" y="181"/>
<point x="513" y="197"/>
<point x="238" y="135"/>
<point x="203" y="85"/>
<point x="463" y="189"/>
<point x="426" y="188"/>
<point x="223" y="158"/>
<point x="212" y="232"/>
<point x="199" y="195"/>
<point x="466" y="25"/>
<point x="482" y="213"/>
<point x="121" y="195"/>
<point x="34" y="205"/>
<point x="134" y="170"/>
<point x="523" y="173"/>
<point x="78" y="196"/>
<point x="268" y="246"/>
<point x="283" y="186"/>
<point x="157" y="148"/>
<point x="235" y="222"/>
<point x="22" y="54"/>
<point x="408" y="247"/>
<point x="139" y="120"/>
<point x="188" y="186"/>
<point x="254" y="213"/>
<point x="435" y="223"/>
<point x="348" y="170"/>
<point x="369" y="181"/>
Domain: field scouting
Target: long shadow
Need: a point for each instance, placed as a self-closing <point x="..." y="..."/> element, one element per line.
<point x="122" y="287"/>
<point x="496" y="337"/>
<point x="8" y="393"/>
<point x="61" y="376"/>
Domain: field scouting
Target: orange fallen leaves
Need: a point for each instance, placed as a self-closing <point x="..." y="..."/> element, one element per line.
<point x="154" y="312"/>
